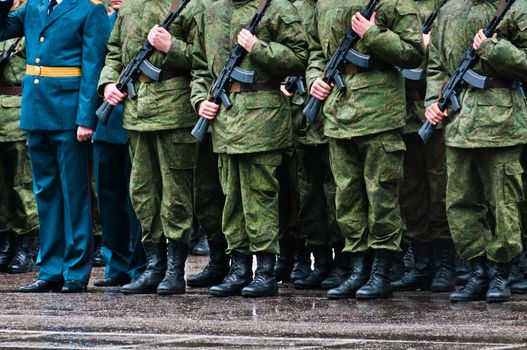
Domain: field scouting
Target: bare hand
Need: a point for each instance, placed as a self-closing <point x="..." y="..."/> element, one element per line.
<point x="160" y="38"/>
<point x="112" y="95"/>
<point x="479" y="38"/>
<point x="426" y="39"/>
<point x="208" y="110"/>
<point x="84" y="133"/>
<point x="285" y="92"/>
<point x="361" y="24"/>
<point x="320" y="90"/>
<point x="247" y="40"/>
<point x="434" y="115"/>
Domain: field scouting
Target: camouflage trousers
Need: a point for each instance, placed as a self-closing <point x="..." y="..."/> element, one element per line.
<point x="423" y="189"/>
<point x="289" y="197"/>
<point x="18" y="208"/>
<point x="483" y="191"/>
<point x="367" y="172"/>
<point x="161" y="183"/>
<point x="317" y="195"/>
<point x="251" y="212"/>
<point x="523" y="203"/>
<point x="208" y="196"/>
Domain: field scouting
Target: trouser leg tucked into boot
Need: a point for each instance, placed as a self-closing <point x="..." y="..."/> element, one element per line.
<point x="286" y="259"/>
<point x="420" y="276"/>
<point x="240" y="275"/>
<point x="302" y="261"/>
<point x="499" y="290"/>
<point x="264" y="283"/>
<point x="445" y="275"/>
<point x="23" y="260"/>
<point x="341" y="270"/>
<point x="174" y="281"/>
<point x="378" y="286"/>
<point x="7" y="249"/>
<point x="323" y="261"/>
<point x="147" y="283"/>
<point x="478" y="284"/>
<point x="359" y="276"/>
<point x="216" y="269"/>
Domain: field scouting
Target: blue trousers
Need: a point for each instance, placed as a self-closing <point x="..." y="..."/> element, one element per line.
<point x="121" y="231"/>
<point x="61" y="183"/>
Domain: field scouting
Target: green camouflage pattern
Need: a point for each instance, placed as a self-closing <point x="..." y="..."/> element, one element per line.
<point x="251" y="215"/>
<point x="374" y="100"/>
<point x="423" y="189"/>
<point x="289" y="203"/>
<point x="258" y="121"/>
<point x="18" y="209"/>
<point x="10" y="105"/>
<point x="367" y="172"/>
<point x="159" y="105"/>
<point x="161" y="183"/>
<point x="492" y="117"/>
<point x="484" y="216"/>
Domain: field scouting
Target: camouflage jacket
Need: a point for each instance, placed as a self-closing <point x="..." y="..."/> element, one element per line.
<point x="159" y="105"/>
<point x="416" y="90"/>
<point x="12" y="76"/>
<point x="492" y="117"/>
<point x="258" y="121"/>
<point x="375" y="99"/>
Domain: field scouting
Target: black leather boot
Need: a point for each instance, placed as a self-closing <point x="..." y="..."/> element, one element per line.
<point x="264" y="283"/>
<point x="286" y="259"/>
<point x="378" y="286"/>
<point x="516" y="275"/>
<point x="445" y="275"/>
<point x="463" y="271"/>
<point x="420" y="276"/>
<point x="359" y="276"/>
<point x="499" y="290"/>
<point x="174" y="281"/>
<point x="478" y="284"/>
<point x="201" y="248"/>
<point x="216" y="269"/>
<point x="147" y="283"/>
<point x="7" y="249"/>
<point x="302" y="261"/>
<point x="240" y="275"/>
<point x="403" y="262"/>
<point x="23" y="260"/>
<point x="98" y="257"/>
<point x="323" y="262"/>
<point x="341" y="270"/>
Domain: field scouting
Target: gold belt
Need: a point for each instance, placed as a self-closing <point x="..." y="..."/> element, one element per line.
<point x="53" y="71"/>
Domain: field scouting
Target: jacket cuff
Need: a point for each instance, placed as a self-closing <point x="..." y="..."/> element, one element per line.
<point x="484" y="50"/>
<point x="371" y="34"/>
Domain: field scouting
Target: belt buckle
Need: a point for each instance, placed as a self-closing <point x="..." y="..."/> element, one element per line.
<point x="37" y="70"/>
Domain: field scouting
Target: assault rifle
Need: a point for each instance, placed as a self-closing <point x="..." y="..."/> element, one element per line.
<point x="230" y="73"/>
<point x="464" y="75"/>
<point x="8" y="54"/>
<point x="345" y="54"/>
<point x="419" y="73"/>
<point x="140" y="64"/>
<point x="296" y="84"/>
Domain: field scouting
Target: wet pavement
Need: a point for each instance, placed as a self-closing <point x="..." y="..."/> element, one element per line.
<point x="104" y="318"/>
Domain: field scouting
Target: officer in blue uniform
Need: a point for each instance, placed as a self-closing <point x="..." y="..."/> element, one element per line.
<point x="121" y="231"/>
<point x="65" y="48"/>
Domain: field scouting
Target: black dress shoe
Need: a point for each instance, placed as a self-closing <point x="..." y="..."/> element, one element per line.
<point x="111" y="282"/>
<point x="71" y="286"/>
<point x="41" y="286"/>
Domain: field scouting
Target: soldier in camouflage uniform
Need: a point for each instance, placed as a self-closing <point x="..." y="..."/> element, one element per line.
<point x="316" y="187"/>
<point x="363" y="127"/>
<point x="18" y="210"/>
<point x="422" y="193"/>
<point x="484" y="140"/>
<point x="162" y="149"/>
<point x="251" y="137"/>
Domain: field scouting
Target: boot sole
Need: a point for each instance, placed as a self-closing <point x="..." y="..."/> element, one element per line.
<point x="17" y="271"/>
<point x="142" y="291"/>
<point x="372" y="297"/>
<point x="170" y="292"/>
<point x="340" y="297"/>
<point x="257" y="295"/>
<point x="462" y="300"/>
<point x="225" y="294"/>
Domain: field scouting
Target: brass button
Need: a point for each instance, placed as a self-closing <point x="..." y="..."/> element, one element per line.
<point x="35" y="81"/>
<point x="42" y="39"/>
<point x="37" y="60"/>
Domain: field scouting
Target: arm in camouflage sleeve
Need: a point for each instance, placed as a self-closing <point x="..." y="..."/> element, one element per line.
<point x="180" y="53"/>
<point x="288" y="54"/>
<point x="508" y="54"/>
<point x="317" y="61"/>
<point x="113" y="64"/>
<point x="401" y="45"/>
<point x="201" y="76"/>
<point x="435" y="73"/>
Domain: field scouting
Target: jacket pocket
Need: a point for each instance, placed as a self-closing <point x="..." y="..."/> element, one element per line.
<point x="392" y="164"/>
<point x="512" y="180"/>
<point x="11" y="101"/>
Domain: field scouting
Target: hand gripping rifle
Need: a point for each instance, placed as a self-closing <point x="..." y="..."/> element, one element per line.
<point x="419" y="73"/>
<point x="345" y="54"/>
<point x="465" y="75"/>
<point x="8" y="54"/>
<point x="140" y="64"/>
<point x="230" y="73"/>
<point x="294" y="84"/>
